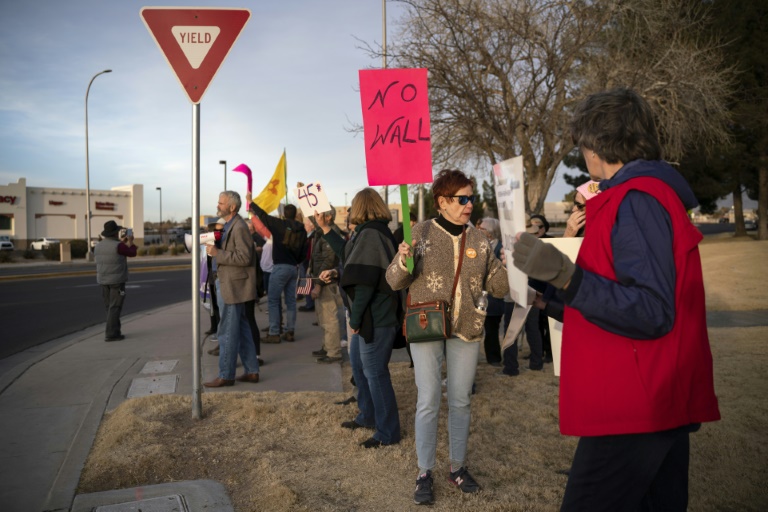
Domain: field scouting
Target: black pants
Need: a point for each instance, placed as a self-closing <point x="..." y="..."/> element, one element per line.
<point x="511" y="365"/>
<point x="491" y="342"/>
<point x="533" y="335"/>
<point x="632" y="472"/>
<point x="114" y="296"/>
<point x="250" y="314"/>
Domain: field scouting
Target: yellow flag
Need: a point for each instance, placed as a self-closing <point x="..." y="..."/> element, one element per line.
<point x="270" y="197"/>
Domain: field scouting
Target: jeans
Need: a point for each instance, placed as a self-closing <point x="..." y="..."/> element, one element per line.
<point x="461" y="361"/>
<point x="114" y="296"/>
<point x="235" y="338"/>
<point x="282" y="280"/>
<point x="375" y="395"/>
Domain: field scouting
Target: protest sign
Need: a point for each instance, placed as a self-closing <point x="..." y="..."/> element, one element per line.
<point x="395" y="103"/>
<point x="312" y="199"/>
<point x="510" y="200"/>
<point x="570" y="247"/>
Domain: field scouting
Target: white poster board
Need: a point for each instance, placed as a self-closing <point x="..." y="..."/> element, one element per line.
<point x="312" y="199"/>
<point x="517" y="321"/>
<point x="510" y="201"/>
<point x="570" y="247"/>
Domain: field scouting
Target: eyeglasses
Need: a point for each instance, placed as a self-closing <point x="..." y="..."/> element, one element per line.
<point x="578" y="205"/>
<point x="465" y="199"/>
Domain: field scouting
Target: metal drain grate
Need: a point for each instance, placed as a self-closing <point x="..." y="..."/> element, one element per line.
<point x="154" y="367"/>
<point x="160" y="385"/>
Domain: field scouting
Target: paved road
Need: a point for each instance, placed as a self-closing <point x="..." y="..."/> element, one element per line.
<point x="39" y="268"/>
<point x="34" y="311"/>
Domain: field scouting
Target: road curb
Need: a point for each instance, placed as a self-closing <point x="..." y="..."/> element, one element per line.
<point x="90" y="273"/>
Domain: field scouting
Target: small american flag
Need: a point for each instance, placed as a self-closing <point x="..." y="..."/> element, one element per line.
<point x="304" y="286"/>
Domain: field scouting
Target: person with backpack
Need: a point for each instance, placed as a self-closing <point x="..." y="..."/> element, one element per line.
<point x="289" y="240"/>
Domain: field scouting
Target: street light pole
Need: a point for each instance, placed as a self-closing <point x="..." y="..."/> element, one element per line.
<point x="224" y="163"/>
<point x="88" y="254"/>
<point x="160" y="227"/>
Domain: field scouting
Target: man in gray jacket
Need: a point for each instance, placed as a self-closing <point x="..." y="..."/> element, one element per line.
<point x="112" y="273"/>
<point x="236" y="285"/>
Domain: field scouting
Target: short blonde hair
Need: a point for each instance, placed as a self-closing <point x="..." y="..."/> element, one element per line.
<point x="368" y="205"/>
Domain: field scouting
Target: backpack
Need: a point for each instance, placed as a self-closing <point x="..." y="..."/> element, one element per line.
<point x="295" y="240"/>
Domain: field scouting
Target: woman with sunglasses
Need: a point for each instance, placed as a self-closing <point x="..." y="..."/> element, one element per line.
<point x="441" y="248"/>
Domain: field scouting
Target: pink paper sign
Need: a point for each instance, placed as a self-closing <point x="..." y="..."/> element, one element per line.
<point x="395" y="105"/>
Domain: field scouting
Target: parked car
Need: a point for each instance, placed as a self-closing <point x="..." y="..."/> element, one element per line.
<point x="43" y="243"/>
<point x="750" y="224"/>
<point x="724" y="220"/>
<point x="5" y="243"/>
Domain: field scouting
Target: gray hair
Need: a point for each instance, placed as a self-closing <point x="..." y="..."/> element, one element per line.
<point x="234" y="199"/>
<point x="491" y="225"/>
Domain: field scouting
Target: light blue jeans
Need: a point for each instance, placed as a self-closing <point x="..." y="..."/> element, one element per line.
<point x="282" y="279"/>
<point x="461" y="359"/>
<point x="235" y="338"/>
<point x="375" y="395"/>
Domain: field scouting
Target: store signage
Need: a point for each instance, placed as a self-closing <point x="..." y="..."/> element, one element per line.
<point x="8" y="199"/>
<point x="105" y="206"/>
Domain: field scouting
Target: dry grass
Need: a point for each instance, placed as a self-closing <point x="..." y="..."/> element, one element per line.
<point x="286" y="451"/>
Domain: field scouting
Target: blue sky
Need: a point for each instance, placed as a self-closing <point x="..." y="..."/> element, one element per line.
<point x="290" y="81"/>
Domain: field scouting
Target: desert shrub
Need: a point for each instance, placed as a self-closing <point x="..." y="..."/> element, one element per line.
<point x="52" y="252"/>
<point x="78" y="248"/>
<point x="142" y="251"/>
<point x="5" y="257"/>
<point x="175" y="250"/>
<point x="157" y="250"/>
<point x="29" y="254"/>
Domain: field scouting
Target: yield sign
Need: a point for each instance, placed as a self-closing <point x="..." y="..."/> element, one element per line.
<point x="195" y="41"/>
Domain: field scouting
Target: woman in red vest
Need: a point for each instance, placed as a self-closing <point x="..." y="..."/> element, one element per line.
<point x="636" y="369"/>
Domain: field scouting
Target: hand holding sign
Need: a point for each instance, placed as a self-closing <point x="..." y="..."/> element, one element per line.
<point x="312" y="199"/>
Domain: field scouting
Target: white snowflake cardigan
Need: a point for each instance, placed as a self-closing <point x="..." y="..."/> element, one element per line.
<point x="434" y="270"/>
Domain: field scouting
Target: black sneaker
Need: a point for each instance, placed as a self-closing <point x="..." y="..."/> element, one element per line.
<point x="328" y="360"/>
<point x="319" y="353"/>
<point x="424" y="494"/>
<point x="463" y="480"/>
<point x="375" y="443"/>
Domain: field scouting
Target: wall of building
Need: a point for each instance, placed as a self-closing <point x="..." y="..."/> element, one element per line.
<point x="61" y="212"/>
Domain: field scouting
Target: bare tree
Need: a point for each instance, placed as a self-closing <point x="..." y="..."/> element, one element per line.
<point x="504" y="75"/>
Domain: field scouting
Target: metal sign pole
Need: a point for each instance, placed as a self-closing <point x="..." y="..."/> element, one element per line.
<point x="197" y="405"/>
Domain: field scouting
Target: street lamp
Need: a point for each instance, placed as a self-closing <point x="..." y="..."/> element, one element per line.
<point x="89" y="254"/>
<point x="224" y="163"/>
<point x="160" y="228"/>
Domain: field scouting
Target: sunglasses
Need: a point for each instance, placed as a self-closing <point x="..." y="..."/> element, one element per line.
<point x="578" y="205"/>
<point x="465" y="199"/>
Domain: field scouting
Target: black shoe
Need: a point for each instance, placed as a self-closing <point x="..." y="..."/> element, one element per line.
<point x="288" y="336"/>
<point x="463" y="480"/>
<point x="328" y="360"/>
<point x="115" y="338"/>
<point x="261" y="361"/>
<point x="212" y="330"/>
<point x="348" y="401"/>
<point x="306" y="309"/>
<point x="319" y="353"/>
<point x="373" y="443"/>
<point x="536" y="368"/>
<point x="497" y="364"/>
<point x="424" y="494"/>
<point x="353" y="425"/>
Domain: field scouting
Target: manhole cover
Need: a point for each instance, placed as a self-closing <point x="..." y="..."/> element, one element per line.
<point x="160" y="385"/>
<point x="174" y="503"/>
<point x="159" y="366"/>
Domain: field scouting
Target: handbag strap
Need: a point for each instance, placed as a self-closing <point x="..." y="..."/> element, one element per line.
<point x="458" y="270"/>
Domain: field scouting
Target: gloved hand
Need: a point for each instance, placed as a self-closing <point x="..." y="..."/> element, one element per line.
<point x="542" y="261"/>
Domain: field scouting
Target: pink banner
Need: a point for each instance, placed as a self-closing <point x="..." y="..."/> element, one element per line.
<point x="395" y="105"/>
<point x="247" y="171"/>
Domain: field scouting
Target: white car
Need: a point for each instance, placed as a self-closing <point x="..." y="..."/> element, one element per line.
<point x="5" y="243"/>
<point x="43" y="243"/>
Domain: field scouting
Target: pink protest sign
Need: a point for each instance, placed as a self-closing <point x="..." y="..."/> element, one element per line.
<point x="395" y="105"/>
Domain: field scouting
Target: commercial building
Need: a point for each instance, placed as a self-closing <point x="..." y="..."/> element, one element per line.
<point x="29" y="213"/>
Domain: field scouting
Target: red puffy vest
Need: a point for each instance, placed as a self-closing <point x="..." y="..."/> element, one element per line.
<point x="611" y="384"/>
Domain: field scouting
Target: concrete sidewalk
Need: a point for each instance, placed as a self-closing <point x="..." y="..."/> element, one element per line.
<point x="53" y="397"/>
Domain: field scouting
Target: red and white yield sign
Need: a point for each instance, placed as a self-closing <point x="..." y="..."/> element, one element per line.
<point x="195" y="41"/>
